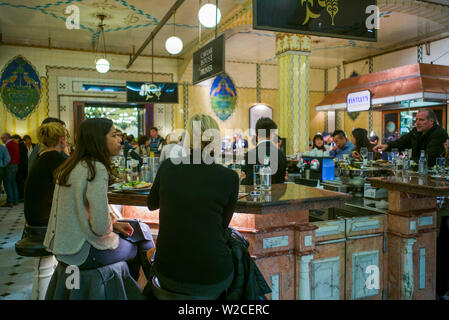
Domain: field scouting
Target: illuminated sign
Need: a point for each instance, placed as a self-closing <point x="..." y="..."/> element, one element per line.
<point x="152" y="92"/>
<point x="358" y="101"/>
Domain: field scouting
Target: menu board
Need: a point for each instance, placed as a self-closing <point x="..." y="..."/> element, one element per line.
<point x="209" y="61"/>
<point x="349" y="19"/>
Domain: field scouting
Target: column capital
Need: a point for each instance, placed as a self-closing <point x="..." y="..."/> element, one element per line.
<point x="292" y="42"/>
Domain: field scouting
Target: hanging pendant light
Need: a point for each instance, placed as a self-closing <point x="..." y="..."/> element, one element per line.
<point x="102" y="64"/>
<point x="209" y="15"/>
<point x="174" y="44"/>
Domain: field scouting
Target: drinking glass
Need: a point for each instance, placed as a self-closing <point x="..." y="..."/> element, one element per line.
<point x="370" y="157"/>
<point x="364" y="154"/>
<point x="441" y="165"/>
<point x="390" y="157"/>
<point x="256" y="177"/>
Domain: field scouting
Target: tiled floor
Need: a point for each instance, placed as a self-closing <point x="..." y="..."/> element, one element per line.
<point x="16" y="273"/>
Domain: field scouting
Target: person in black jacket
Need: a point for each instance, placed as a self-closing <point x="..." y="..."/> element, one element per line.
<point x="265" y="128"/>
<point x="427" y="136"/>
<point x="196" y="203"/>
<point x="40" y="184"/>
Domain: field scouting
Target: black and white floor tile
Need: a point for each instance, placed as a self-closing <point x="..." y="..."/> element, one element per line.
<point x="16" y="272"/>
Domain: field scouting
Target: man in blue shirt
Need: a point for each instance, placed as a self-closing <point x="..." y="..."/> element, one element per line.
<point x="156" y="141"/>
<point x="342" y="145"/>
<point x="4" y="160"/>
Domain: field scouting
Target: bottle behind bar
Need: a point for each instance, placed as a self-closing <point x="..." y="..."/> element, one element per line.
<point x="406" y="161"/>
<point x="422" y="168"/>
<point x="146" y="173"/>
<point x="265" y="174"/>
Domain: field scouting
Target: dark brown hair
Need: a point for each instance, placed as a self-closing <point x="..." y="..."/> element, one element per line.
<point x="318" y="136"/>
<point x="361" y="140"/>
<point x="91" y="146"/>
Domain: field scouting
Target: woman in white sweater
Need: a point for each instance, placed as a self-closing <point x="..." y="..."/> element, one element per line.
<point x="81" y="231"/>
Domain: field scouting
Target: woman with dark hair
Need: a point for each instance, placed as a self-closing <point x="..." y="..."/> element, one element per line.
<point x="143" y="146"/>
<point x="318" y="143"/>
<point x="360" y="140"/>
<point x="81" y="230"/>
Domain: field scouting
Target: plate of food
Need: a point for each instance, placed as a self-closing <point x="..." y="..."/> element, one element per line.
<point x="132" y="186"/>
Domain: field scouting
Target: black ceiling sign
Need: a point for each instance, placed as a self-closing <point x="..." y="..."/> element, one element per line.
<point x="152" y="92"/>
<point x="209" y="61"/>
<point x="329" y="18"/>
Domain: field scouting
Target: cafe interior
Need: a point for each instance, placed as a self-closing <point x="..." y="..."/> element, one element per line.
<point x="372" y="227"/>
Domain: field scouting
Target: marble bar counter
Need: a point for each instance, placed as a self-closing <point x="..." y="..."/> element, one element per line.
<point x="276" y="225"/>
<point x="411" y="234"/>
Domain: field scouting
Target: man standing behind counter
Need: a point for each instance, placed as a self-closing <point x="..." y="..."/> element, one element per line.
<point x="427" y="136"/>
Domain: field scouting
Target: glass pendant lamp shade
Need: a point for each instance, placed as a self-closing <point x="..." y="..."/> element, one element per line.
<point x="207" y="15"/>
<point x="102" y="65"/>
<point x="174" y="45"/>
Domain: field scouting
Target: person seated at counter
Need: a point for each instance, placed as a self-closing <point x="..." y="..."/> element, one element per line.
<point x="196" y="203"/>
<point x="81" y="229"/>
<point x="427" y="136"/>
<point x="34" y="153"/>
<point x="265" y="131"/>
<point x="374" y="140"/>
<point x="327" y="137"/>
<point x="39" y="185"/>
<point x="359" y="139"/>
<point x="342" y="145"/>
<point x="318" y="143"/>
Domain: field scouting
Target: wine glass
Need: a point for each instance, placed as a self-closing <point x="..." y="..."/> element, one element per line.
<point x="364" y="154"/>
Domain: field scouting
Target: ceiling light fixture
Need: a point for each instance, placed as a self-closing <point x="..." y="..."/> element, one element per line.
<point x="209" y="15"/>
<point x="174" y="44"/>
<point x="101" y="64"/>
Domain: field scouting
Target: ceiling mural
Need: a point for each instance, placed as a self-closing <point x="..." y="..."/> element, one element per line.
<point x="129" y="22"/>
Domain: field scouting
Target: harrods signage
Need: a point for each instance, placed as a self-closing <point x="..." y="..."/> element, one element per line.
<point x="349" y="19"/>
<point x="209" y="61"/>
<point x="152" y="92"/>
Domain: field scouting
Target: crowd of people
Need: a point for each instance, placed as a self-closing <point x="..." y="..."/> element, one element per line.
<point x="68" y="193"/>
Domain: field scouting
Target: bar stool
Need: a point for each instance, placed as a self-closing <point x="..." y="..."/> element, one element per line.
<point x="31" y="245"/>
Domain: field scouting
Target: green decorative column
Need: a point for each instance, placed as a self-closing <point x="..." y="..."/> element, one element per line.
<point x="293" y="64"/>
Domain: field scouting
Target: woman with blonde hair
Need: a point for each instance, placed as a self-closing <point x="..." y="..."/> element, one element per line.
<point x="39" y="185"/>
<point x="196" y="203"/>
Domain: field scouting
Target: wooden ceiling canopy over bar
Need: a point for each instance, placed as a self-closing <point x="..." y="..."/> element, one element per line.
<point x="417" y="82"/>
<point x="155" y="31"/>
